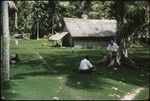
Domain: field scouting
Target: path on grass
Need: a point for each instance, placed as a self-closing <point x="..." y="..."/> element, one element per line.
<point x="68" y="91"/>
<point x="45" y="63"/>
<point x="131" y="95"/>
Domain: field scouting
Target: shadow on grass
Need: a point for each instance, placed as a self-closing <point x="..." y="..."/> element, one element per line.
<point x="5" y="90"/>
<point x="30" y="74"/>
<point x="145" y="62"/>
<point x="87" y="81"/>
<point x="66" y="62"/>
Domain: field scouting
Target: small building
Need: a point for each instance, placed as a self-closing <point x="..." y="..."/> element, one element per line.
<point x="63" y="39"/>
<point x="87" y="33"/>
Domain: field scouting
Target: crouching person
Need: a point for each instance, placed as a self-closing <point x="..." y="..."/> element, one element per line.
<point x="14" y="58"/>
<point x="86" y="66"/>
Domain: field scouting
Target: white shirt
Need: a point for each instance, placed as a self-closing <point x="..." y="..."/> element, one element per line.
<point x="85" y="64"/>
<point x="113" y="47"/>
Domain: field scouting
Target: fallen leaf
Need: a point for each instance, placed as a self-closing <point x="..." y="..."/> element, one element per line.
<point x="60" y="78"/>
<point x="117" y="95"/>
<point x="114" y="88"/>
<point x="114" y="95"/>
<point x="119" y="90"/>
<point x="128" y="93"/>
<point x="55" y="98"/>
<point x="122" y="82"/>
<point x="78" y="82"/>
<point x="3" y="97"/>
<point x="60" y="88"/>
<point x="13" y="92"/>
<point x="142" y="75"/>
<point x="111" y="94"/>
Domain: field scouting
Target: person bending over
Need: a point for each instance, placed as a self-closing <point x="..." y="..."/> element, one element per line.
<point x="86" y="66"/>
<point x="113" y="52"/>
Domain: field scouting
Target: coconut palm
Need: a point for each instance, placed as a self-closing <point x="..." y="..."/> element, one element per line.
<point x="5" y="5"/>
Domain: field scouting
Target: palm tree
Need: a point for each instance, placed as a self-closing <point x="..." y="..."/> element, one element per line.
<point x="5" y="39"/>
<point x="5" y="43"/>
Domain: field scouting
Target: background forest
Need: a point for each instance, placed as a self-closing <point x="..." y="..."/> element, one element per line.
<point x="49" y="14"/>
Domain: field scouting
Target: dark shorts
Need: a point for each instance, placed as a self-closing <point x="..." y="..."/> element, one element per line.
<point x="86" y="71"/>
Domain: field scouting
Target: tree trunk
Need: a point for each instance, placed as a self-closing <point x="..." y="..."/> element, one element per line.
<point x="126" y="52"/>
<point x="16" y="18"/>
<point x="123" y="47"/>
<point x="52" y="25"/>
<point x="37" y="30"/>
<point x="5" y="42"/>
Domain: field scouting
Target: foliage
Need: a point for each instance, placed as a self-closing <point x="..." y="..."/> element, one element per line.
<point x="29" y="13"/>
<point x="129" y="14"/>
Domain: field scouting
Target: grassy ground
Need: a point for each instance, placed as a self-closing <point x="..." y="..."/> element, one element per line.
<point x="35" y="80"/>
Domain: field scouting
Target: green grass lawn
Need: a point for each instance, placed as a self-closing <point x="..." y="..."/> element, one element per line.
<point x="32" y="79"/>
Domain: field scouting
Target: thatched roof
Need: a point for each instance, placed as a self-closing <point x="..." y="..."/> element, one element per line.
<point x="90" y="27"/>
<point x="58" y="36"/>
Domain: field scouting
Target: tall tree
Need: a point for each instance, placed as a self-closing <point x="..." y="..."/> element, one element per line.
<point x="130" y="16"/>
<point x="5" y="42"/>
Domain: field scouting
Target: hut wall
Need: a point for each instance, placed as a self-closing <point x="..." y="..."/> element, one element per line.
<point x="90" y="42"/>
<point x="67" y="40"/>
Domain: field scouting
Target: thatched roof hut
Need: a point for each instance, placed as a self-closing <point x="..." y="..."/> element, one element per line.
<point x="87" y="33"/>
<point x="90" y="27"/>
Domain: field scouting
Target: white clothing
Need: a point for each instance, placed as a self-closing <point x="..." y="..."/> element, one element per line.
<point x="16" y="42"/>
<point x="113" y="47"/>
<point x="85" y="64"/>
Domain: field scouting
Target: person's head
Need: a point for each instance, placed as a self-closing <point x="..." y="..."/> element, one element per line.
<point x="111" y="42"/>
<point x="87" y="57"/>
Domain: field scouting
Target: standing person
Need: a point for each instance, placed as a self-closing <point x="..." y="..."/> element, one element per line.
<point x="113" y="51"/>
<point x="86" y="66"/>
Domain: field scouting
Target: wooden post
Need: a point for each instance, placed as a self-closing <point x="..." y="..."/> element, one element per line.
<point x="61" y="41"/>
<point x="5" y="42"/>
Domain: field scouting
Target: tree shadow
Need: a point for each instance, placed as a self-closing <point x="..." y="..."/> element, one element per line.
<point x="5" y="90"/>
<point x="30" y="74"/>
<point x="86" y="81"/>
<point x="64" y="63"/>
<point x="145" y="62"/>
<point x="139" y="77"/>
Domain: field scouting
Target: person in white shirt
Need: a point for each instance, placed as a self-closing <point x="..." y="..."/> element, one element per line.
<point x="112" y="47"/>
<point x="113" y="51"/>
<point x="86" y="66"/>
